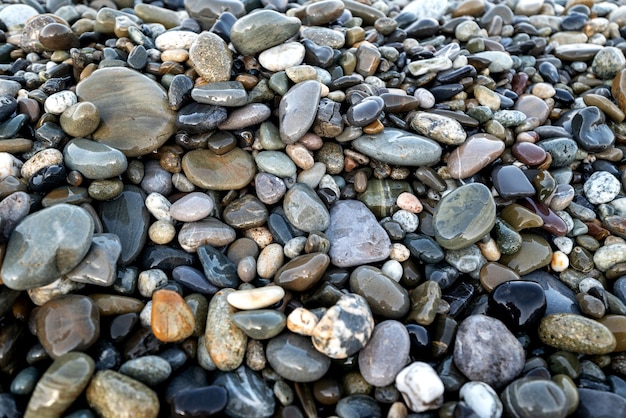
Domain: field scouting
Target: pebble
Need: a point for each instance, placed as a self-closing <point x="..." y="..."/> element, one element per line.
<point x="294" y="358"/>
<point x="377" y="368"/>
<point x="94" y="160"/>
<point x="577" y="334"/>
<point x="150" y="370"/>
<point x="384" y="295"/>
<point x="113" y="394"/>
<point x="297" y="110"/>
<point x="248" y="394"/>
<point x="395" y="146"/>
<point x="420" y="386"/>
<point x="482" y="356"/>
<point x="482" y="399"/>
<point x="172" y="320"/>
<point x="602" y="187"/>
<point x="225" y="341"/>
<point x="304" y="209"/>
<point x="535" y="396"/>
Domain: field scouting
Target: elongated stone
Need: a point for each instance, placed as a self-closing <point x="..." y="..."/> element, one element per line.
<point x="395" y="146"/>
<point x="375" y="364"/>
<point x="254" y="33"/>
<point x="258" y="298"/>
<point x="302" y="272"/>
<point x="384" y="295"/>
<point x="297" y="110"/>
<point x="232" y="170"/>
<point x="293" y="357"/>
<point x="224" y="340"/>
<point x="111" y="394"/>
<point x="576" y="334"/>
<point x="304" y="209"/>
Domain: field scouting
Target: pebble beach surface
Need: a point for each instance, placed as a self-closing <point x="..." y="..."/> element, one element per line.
<point x="264" y="208"/>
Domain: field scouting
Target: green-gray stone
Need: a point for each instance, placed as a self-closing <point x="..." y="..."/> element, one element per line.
<point x="576" y="333"/>
<point x="94" y="160"/>
<point x="304" y="209"/>
<point x="110" y="392"/>
<point x="508" y="240"/>
<point x="534" y="397"/>
<point x="380" y="196"/>
<point x="259" y="31"/>
<point x="464" y="216"/>
<point x="385" y="296"/>
<point x="535" y="253"/>
<point x="45" y="245"/>
<point x="398" y="147"/>
<point x="260" y="324"/>
<point x="276" y="163"/>
<point x="563" y="362"/>
<point x="425" y="300"/>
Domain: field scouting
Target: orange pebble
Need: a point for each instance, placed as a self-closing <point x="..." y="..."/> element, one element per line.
<point x="172" y="320"/>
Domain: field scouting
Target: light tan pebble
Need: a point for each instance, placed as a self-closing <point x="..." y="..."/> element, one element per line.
<point x="337" y="96"/>
<point x="159" y="207"/>
<point x="399" y="252"/>
<point x="409" y="202"/>
<point x="560" y="261"/>
<point x="543" y="90"/>
<point x="9" y="165"/>
<point x="261" y="235"/>
<point x="487" y="97"/>
<point x="311" y="141"/>
<point x="256" y="298"/>
<point x="44" y="158"/>
<point x="398" y="410"/>
<point x="489" y="250"/>
<point x="255" y="355"/>
<point x="283" y="392"/>
<point x="175" y="55"/>
<point x="294" y="247"/>
<point x="59" y="287"/>
<point x="325" y="91"/>
<point x="393" y="269"/>
<point x="175" y="40"/>
<point x="302" y="321"/>
<point x="145" y="316"/>
<point x="246" y="269"/>
<point x="161" y="232"/>
<point x="301" y="156"/>
<point x="299" y="73"/>
<point x="270" y="260"/>
<point x="614" y="239"/>
<point x="149" y="281"/>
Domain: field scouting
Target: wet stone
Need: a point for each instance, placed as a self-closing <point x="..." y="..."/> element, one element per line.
<point x="602" y="187"/>
<point x="297" y="110"/>
<point x="384" y="295"/>
<point x="577" y="334"/>
<point x="205" y="169"/>
<point x="94" y="160"/>
<point x="534" y="396"/>
<point x="485" y="350"/>
<point x="293" y="357"/>
<point x="110" y="392"/>
<point x="206" y="401"/>
<point x="534" y="253"/>
<point x="511" y="182"/>
<point x="302" y="272"/>
<point x="377" y="368"/>
<point x="473" y="155"/>
<point x="248" y="394"/>
<point x="395" y="146"/>
<point x="225" y="341"/>
<point x="518" y="304"/>
<point x="442" y="129"/>
<point x="305" y="210"/>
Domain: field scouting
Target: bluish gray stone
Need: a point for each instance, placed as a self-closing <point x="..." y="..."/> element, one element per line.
<point x="385" y="354"/>
<point x="94" y="160"/>
<point x="293" y="357"/>
<point x="398" y="147"/>
<point x="248" y="395"/>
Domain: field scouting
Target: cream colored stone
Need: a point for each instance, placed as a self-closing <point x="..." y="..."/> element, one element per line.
<point x="302" y="321"/>
<point x="257" y="298"/>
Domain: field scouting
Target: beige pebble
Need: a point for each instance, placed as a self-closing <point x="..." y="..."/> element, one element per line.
<point x="559" y="262"/>
<point x="45" y="158"/>
<point x="257" y="298"/>
<point x="398" y="410"/>
<point x="246" y="269"/>
<point x="409" y="202"/>
<point x="614" y="239"/>
<point x="302" y="321"/>
<point x="543" y="90"/>
<point x="300" y="155"/>
<point x="399" y="252"/>
<point x="489" y="250"/>
<point x="269" y="261"/>
<point x="175" y="55"/>
<point x="261" y="235"/>
<point x="161" y="232"/>
<point x="311" y="141"/>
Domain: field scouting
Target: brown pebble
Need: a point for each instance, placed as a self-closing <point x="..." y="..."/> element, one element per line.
<point x="172" y="320"/>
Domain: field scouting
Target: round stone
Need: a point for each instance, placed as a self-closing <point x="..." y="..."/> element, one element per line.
<point x="134" y="111"/>
<point x="375" y="364"/>
<point x="282" y="57"/>
<point x="577" y="334"/>
<point x="482" y="399"/>
<point x="56" y="36"/>
<point x="485" y="350"/>
<point x="110" y="392"/>
<point x="94" y="160"/>
<point x="464" y="216"/>
<point x="80" y="119"/>
<point x="205" y="169"/>
<point x="398" y="147"/>
<point x="211" y="57"/>
<point x="601" y="187"/>
<point x="534" y="396"/>
<point x="294" y="358"/>
<point x="257" y="298"/>
<point x="192" y="207"/>
<point x="150" y="370"/>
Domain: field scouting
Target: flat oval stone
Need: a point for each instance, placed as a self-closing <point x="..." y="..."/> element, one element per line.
<point x="248" y="394"/>
<point x="293" y="357"/>
<point x="255" y="33"/>
<point x="45" y="245"/>
<point x="375" y="364"/>
<point x="297" y="110"/>
<point x="211" y="57"/>
<point x="275" y="162"/>
<point x="345" y="328"/>
<point x="110" y="392"/>
<point x="464" y="216"/>
<point x="80" y="119"/>
<point x="304" y="209"/>
<point x="192" y="207"/>
<point x="68" y="323"/>
<point x="223" y="93"/>
<point x="260" y="324"/>
<point x="61" y="385"/>
<point x="94" y="160"/>
<point x="594" y="403"/>
<point x="171" y="320"/>
<point x="511" y="182"/>
<point x="225" y="341"/>
<point x="302" y="272"/>
<point x="218" y="269"/>
<point x="385" y="296"/>
<point x="366" y="111"/>
<point x="206" y="401"/>
<point x="577" y="334"/>
<point x="150" y="370"/>
<point x="127" y="217"/>
<point x="442" y="129"/>
<point x="282" y="57"/>
<point x="485" y="350"/>
<point x="355" y="235"/>
<point x="473" y="155"/>
<point x="519" y="304"/>
<point x="142" y="124"/>
<point x="533" y="396"/>
<point x="209" y="231"/>
<point x="258" y="298"/>
<point x="535" y="253"/>
<point x="617" y="325"/>
<point x="398" y="147"/>
<point x="230" y="171"/>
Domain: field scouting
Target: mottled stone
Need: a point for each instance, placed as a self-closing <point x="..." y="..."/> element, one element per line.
<point x="225" y="341"/>
<point x="111" y="394"/>
<point x="249" y="395"/>
<point x="577" y="334"/>
<point x="304" y="209"/>
<point x="210" y="57"/>
<point x="205" y="169"/>
<point x="150" y="370"/>
<point x="442" y="129"/>
<point x="172" y="320"/>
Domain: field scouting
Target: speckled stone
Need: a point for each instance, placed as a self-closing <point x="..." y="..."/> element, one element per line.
<point x="225" y="341"/>
<point x="253" y="34"/>
<point x="211" y="57"/>
<point x="345" y="328"/>
<point x="485" y="350"/>
<point x="375" y="364"/>
<point x="111" y="394"/>
<point x="577" y="334"/>
<point x="464" y="216"/>
<point x="150" y="370"/>
<point x="304" y="209"/>
<point x="137" y="132"/>
<point x="536" y="397"/>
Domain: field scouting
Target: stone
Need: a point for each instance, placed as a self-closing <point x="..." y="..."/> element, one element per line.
<point x="282" y="57"/>
<point x="297" y="110"/>
<point x="442" y="129"/>
<point x="260" y="324"/>
<point x="534" y="253"/>
<point x="420" y="386"/>
<point x="275" y="162"/>
<point x="99" y="266"/>
<point x="248" y="394"/>
<point x="253" y="34"/>
<point x="601" y="187"/>
<point x="150" y="370"/>
<point x="111" y="394"/>
<point x="398" y="147"/>
<point x="80" y="119"/>
<point x="377" y="367"/>
<point x="210" y="57"/>
<point x="257" y="298"/>
<point x="94" y="160"/>
<point x="304" y="209"/>
<point x="207" y="400"/>
<point x="345" y="328"/>
<point x="385" y="296"/>
<point x="60" y="385"/>
<point x="171" y="320"/>
<point x="519" y="304"/>
<point x="68" y="323"/>
<point x="192" y="207"/>
<point x="302" y="272"/>
<point x="476" y="153"/>
<point x="45" y="245"/>
<point x="207" y="170"/>
<point x="221" y="93"/>
<point x="208" y="231"/>
<point x="485" y="350"/>
<point x="482" y="399"/>
<point x="137" y="132"/>
<point x="294" y="358"/>
<point x="577" y="334"/>
<point x="225" y="341"/>
<point x="464" y="216"/>
<point x="355" y="235"/>
<point x="599" y="402"/>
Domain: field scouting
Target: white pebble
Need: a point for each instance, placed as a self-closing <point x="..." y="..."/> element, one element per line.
<point x="302" y="321"/>
<point x="281" y="57"/>
<point x="58" y="103"/>
<point x="564" y="244"/>
<point x="159" y="207"/>
<point x="145" y="316"/>
<point x="399" y="252"/>
<point x="482" y="399"/>
<point x="407" y="220"/>
<point x="601" y="187"/>
<point x="44" y="158"/>
<point x="560" y="261"/>
<point x="257" y="298"/>
<point x="162" y="232"/>
<point x="588" y="283"/>
<point x="150" y="280"/>
<point x="177" y="39"/>
<point x="393" y="269"/>
<point x="567" y="218"/>
<point x="420" y="386"/>
<point x="9" y="165"/>
<point x="294" y="247"/>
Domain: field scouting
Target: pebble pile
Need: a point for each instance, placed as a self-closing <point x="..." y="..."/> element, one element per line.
<point x="274" y="208"/>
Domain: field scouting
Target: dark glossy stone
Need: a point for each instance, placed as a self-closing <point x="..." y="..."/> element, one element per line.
<point x="420" y="340"/>
<point x="194" y="280"/>
<point x="197" y="118"/>
<point x="199" y="402"/>
<point x="165" y="258"/>
<point x="519" y="304"/>
<point x="318" y="55"/>
<point x="179" y="91"/>
<point x="381" y="196"/>
<point x="47" y="178"/>
<point x="128" y="218"/>
<point x="248" y="394"/>
<point x="552" y="222"/>
<point x="534" y="397"/>
<point x="122" y="325"/>
<point x="8" y="105"/>
<point x="12" y="334"/>
<point x="385" y="296"/>
<point x="511" y="183"/>
<point x="424" y="248"/>
<point x="366" y="111"/>
<point x="189" y="378"/>
<point x="458" y="297"/>
<point x="595" y="403"/>
<point x="362" y="406"/>
<point x="218" y="269"/>
<point x="590" y="130"/>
